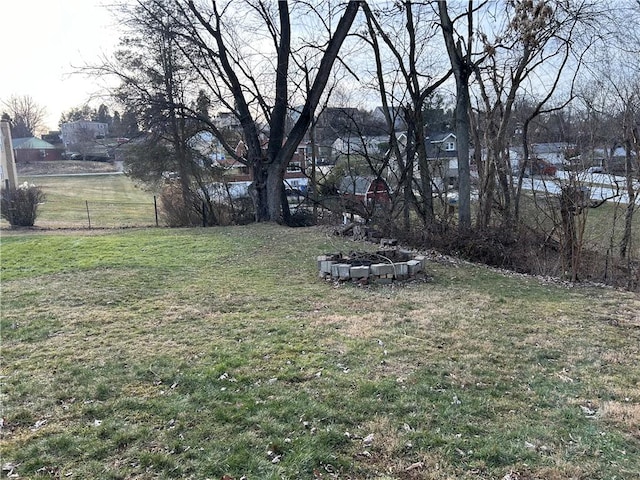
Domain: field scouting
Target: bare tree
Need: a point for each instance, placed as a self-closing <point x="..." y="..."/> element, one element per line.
<point x="626" y="86"/>
<point x="413" y="84"/>
<point x="257" y="86"/>
<point x="26" y="114"/>
<point x="463" y="62"/>
<point x="539" y="39"/>
<point x="631" y="141"/>
<point x="159" y="87"/>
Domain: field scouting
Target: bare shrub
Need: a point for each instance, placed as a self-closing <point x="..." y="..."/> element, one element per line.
<point x="301" y="218"/>
<point x="237" y="211"/>
<point x="180" y="209"/>
<point x="19" y="206"/>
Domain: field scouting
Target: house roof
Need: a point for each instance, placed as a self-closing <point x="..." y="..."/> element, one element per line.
<point x="440" y="137"/>
<point x="360" y="145"/>
<point x="549" y="148"/>
<point x="357" y="185"/>
<point x="435" y="145"/>
<point x="611" y="153"/>
<point x="31" y="143"/>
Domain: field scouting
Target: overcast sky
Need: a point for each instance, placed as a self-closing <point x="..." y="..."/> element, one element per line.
<point x="44" y="41"/>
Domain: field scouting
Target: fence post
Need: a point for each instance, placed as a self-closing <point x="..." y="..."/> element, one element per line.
<point x="88" y="216"/>
<point x="155" y="208"/>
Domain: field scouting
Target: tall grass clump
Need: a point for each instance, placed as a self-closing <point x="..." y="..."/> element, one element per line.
<point x="180" y="207"/>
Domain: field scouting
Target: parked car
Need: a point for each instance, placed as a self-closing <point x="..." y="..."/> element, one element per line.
<point x="72" y="156"/>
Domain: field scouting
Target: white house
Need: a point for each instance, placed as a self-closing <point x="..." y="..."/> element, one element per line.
<point x="82" y="131"/>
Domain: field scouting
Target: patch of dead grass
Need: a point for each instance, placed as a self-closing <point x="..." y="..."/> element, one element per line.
<point x="625" y="415"/>
<point x="382" y="446"/>
<point x="365" y="326"/>
<point x="559" y="472"/>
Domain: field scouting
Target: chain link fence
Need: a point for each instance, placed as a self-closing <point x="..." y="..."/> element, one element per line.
<point x="90" y="214"/>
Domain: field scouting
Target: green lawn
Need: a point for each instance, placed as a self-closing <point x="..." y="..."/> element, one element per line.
<point x="199" y="353"/>
<point x="112" y="200"/>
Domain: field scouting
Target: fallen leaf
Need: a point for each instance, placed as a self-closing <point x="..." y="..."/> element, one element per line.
<point x="414" y="466"/>
<point x="38" y="425"/>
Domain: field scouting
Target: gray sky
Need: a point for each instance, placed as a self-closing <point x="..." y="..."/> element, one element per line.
<point x="44" y="41"/>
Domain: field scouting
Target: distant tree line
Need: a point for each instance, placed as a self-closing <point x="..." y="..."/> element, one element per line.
<point x="125" y="125"/>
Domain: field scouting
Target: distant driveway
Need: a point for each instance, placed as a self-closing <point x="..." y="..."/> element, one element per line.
<point x="85" y="174"/>
<point x="603" y="186"/>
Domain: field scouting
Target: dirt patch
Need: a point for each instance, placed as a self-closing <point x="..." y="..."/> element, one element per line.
<point x="64" y="167"/>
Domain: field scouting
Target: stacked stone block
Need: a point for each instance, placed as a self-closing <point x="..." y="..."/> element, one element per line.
<point x="384" y="270"/>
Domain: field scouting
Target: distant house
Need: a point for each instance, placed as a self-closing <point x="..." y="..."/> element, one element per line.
<point x="85" y="140"/>
<point x="226" y="120"/>
<point x="53" y="137"/>
<point x="442" y="155"/>
<point x="554" y="153"/>
<point x="442" y="145"/>
<point x="342" y="122"/>
<point x="208" y="146"/>
<point x="544" y="158"/>
<point x="360" y="145"/>
<point x="239" y="177"/>
<point x="607" y="159"/>
<point x="296" y="179"/>
<point x="82" y="131"/>
<point x="32" y="149"/>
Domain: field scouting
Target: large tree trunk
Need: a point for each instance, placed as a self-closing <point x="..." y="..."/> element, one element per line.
<point x="274" y="195"/>
<point x="462" y="69"/>
<point x="462" y="136"/>
<point x="487" y="189"/>
<point x="281" y="154"/>
<point x="258" y="192"/>
<point x="631" y="192"/>
<point x="572" y="203"/>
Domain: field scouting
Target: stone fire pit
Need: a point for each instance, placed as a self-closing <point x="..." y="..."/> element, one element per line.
<point x="381" y="267"/>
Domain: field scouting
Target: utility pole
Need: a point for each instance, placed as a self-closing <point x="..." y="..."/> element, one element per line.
<point x="8" y="171"/>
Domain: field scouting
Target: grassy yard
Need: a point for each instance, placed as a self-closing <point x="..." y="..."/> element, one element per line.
<point x="112" y="201"/>
<point x="217" y="353"/>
